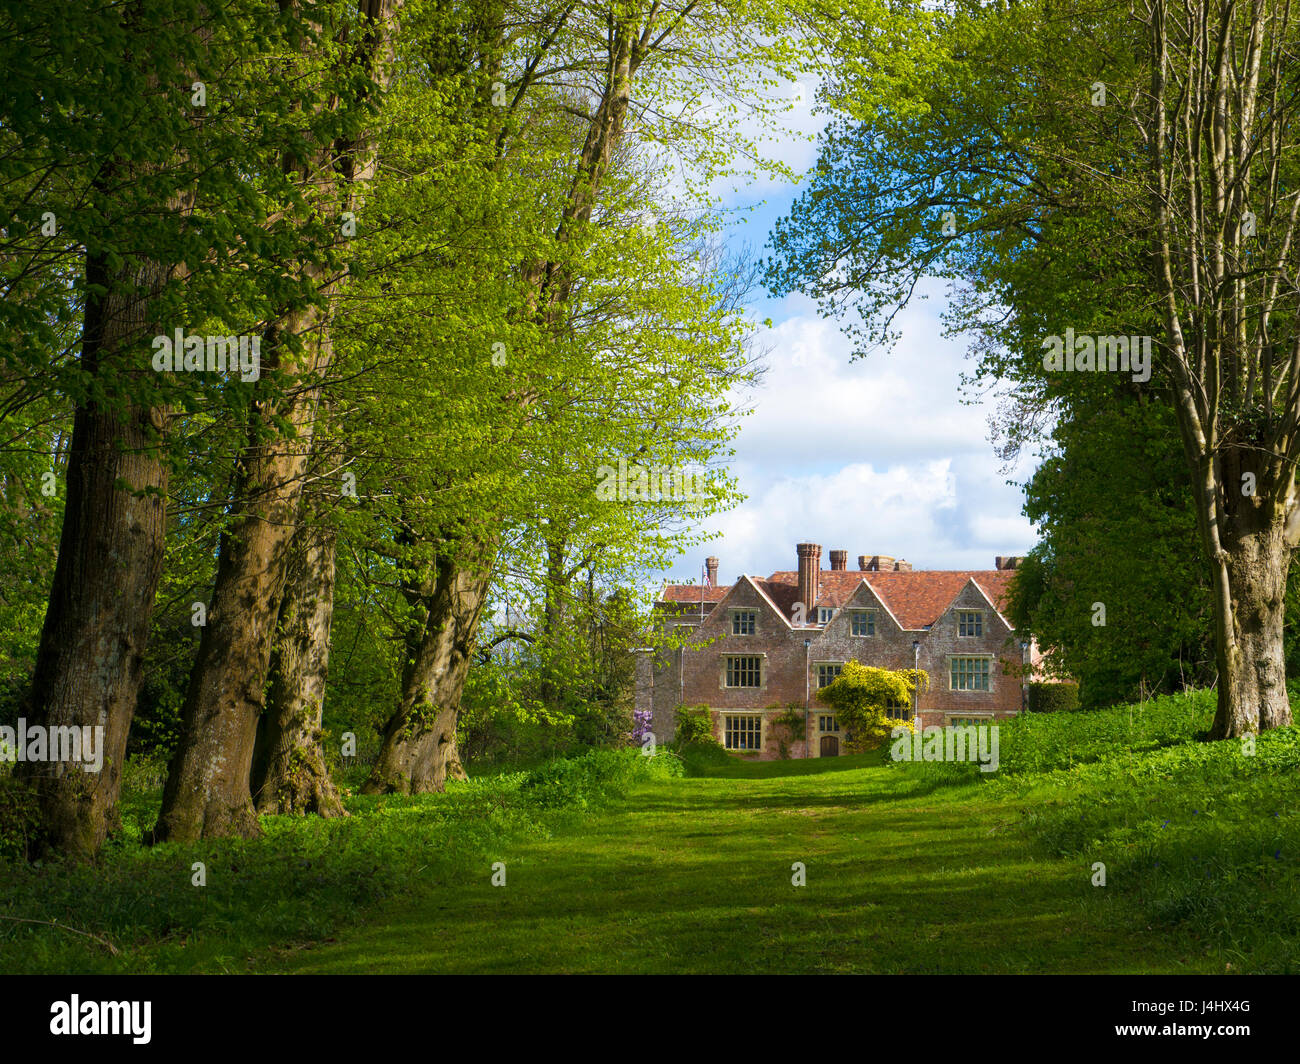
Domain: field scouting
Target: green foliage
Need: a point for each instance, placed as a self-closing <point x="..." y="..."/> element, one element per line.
<point x="305" y="878"/>
<point x="1115" y="483"/>
<point x="861" y="696"/>
<point x="477" y="415"/>
<point x="18" y="815"/>
<point x="792" y="727"/>
<point x="594" y="777"/>
<point x="1045" y="229"/>
<point x="693" y="727"/>
<point x="704" y="757"/>
<point x="1051" y="697"/>
<point x="503" y="722"/>
<point x="1034" y="238"/>
<point x="1046" y="742"/>
<point x="556" y="681"/>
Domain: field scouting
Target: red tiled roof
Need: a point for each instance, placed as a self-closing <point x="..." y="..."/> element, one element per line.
<point x="692" y="593"/>
<point x="916" y="598"/>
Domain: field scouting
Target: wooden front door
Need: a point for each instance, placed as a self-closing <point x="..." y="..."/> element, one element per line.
<point x="830" y="746"/>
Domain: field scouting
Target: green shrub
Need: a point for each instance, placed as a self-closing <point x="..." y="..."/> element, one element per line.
<point x="577" y="782"/>
<point x="861" y="697"/>
<point x="699" y="758"/>
<point x="694" y="726"/>
<point x="1052" y="697"/>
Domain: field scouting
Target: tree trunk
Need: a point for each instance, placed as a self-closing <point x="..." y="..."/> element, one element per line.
<point x="1231" y="360"/>
<point x="289" y="772"/>
<point x="208" y="782"/>
<point x="419" y="749"/>
<point x="89" y="664"/>
<point x="1248" y="634"/>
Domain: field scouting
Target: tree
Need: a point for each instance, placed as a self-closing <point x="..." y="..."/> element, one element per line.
<point x="575" y="374"/>
<point x="862" y="696"/>
<point x="208" y="788"/>
<point x="221" y="170"/>
<point x="127" y="213"/>
<point x="1219" y="121"/>
<point x="1093" y="193"/>
<point x="1113" y="485"/>
<point x="290" y="774"/>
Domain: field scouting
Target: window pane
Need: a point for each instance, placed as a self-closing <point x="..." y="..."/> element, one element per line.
<point x="826" y="673"/>
<point x="743" y="733"/>
<point x="970" y="674"/>
<point x="744" y="671"/>
<point x="864" y="622"/>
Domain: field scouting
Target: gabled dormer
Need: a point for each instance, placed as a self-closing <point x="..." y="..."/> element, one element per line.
<point x="863" y="615"/>
<point x="745" y="612"/>
<point x="973" y="616"/>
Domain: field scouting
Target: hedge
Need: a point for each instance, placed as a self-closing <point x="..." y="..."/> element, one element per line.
<point x="1053" y="697"/>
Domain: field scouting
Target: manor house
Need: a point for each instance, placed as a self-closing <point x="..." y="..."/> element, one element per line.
<point x="760" y="645"/>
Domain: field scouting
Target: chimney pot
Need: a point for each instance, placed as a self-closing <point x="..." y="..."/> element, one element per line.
<point x="810" y="562"/>
<point x="711" y="567"/>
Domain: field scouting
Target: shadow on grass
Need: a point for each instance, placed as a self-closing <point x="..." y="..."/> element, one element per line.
<point x="679" y="879"/>
<point x="718" y="764"/>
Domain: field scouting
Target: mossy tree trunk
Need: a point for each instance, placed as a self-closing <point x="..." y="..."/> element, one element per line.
<point x="419" y="747"/>
<point x="208" y="789"/>
<point x="289" y="768"/>
<point x="89" y="663"/>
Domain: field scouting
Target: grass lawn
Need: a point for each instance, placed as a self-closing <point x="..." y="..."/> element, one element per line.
<point x="694" y="875"/>
<point x="619" y="863"/>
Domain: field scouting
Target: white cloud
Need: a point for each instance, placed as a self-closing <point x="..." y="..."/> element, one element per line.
<point x="875" y="456"/>
<point x="878" y="456"/>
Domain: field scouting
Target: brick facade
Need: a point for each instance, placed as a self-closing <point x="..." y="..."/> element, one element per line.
<point x="790" y="640"/>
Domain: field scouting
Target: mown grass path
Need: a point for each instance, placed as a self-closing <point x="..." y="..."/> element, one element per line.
<point x="694" y="875"/>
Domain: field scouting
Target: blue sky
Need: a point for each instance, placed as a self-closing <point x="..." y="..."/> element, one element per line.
<point x="890" y="461"/>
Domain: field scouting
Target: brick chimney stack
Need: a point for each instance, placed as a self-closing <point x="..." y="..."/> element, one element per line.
<point x="839" y="560"/>
<point x="810" y="563"/>
<point x="711" y="567"/>
<point x="1012" y="562"/>
<point x="864" y="562"/>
